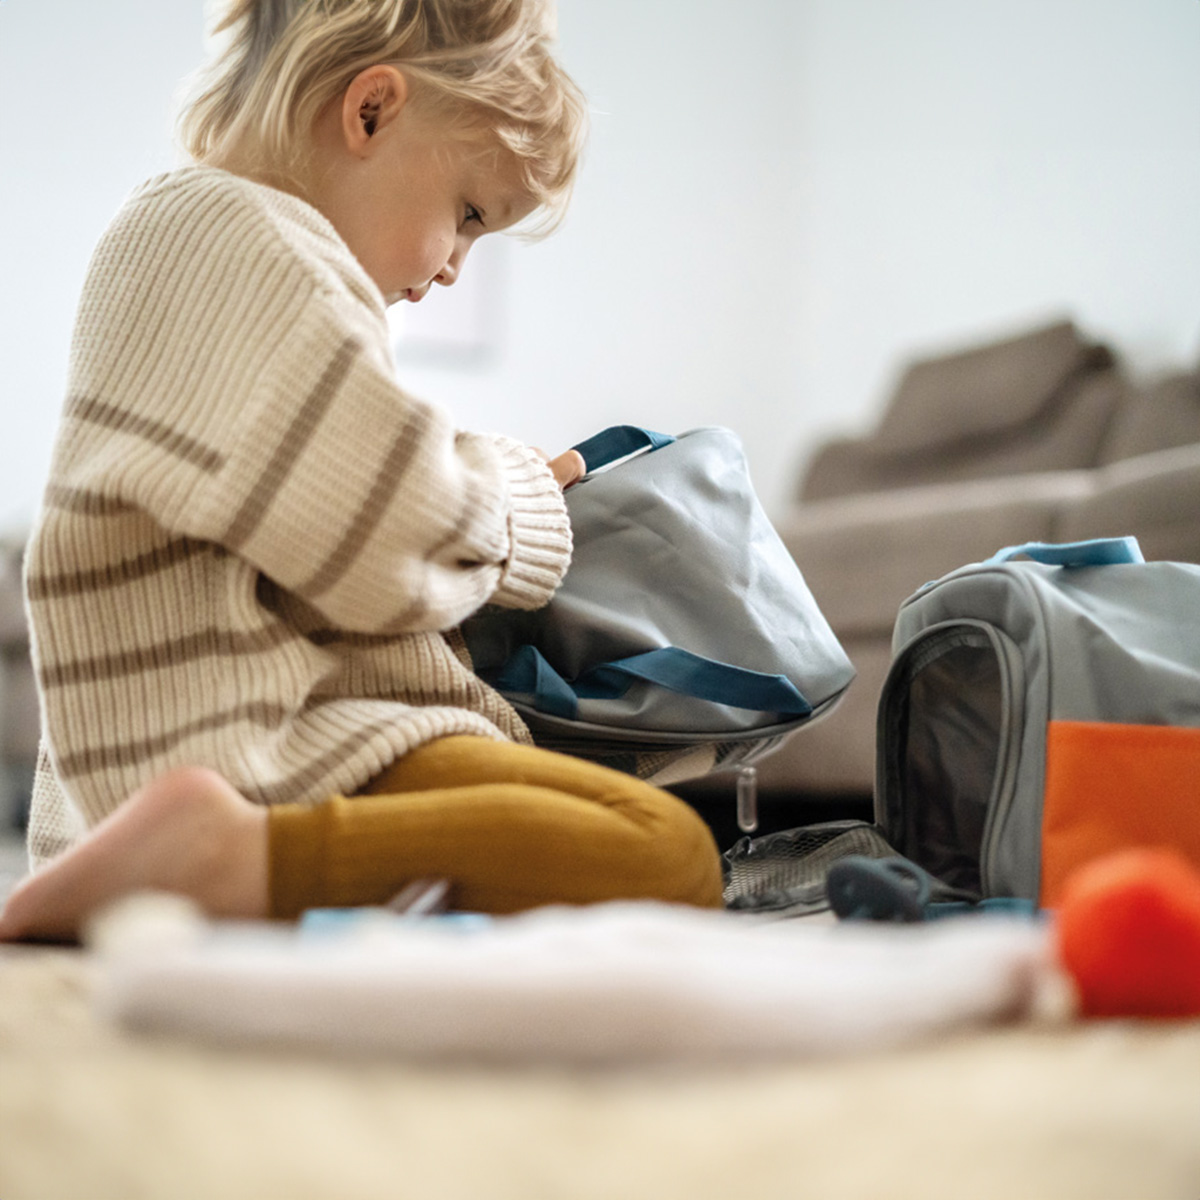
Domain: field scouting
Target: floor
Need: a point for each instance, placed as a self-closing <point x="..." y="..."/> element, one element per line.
<point x="90" y="1108"/>
<point x="1100" y="1111"/>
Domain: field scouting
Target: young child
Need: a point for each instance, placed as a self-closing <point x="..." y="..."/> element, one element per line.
<point x="255" y="548"/>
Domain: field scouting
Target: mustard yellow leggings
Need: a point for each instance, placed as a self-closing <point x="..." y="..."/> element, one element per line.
<point x="511" y="827"/>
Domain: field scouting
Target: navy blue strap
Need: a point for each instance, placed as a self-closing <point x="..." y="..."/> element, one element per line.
<point x="619" y="441"/>
<point x="528" y="673"/>
<point x="1098" y="552"/>
<point x="692" y="675"/>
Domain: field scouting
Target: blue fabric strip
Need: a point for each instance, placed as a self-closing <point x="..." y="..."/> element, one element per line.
<point x="1098" y="552"/>
<point x="619" y="441"/>
<point x="692" y="675"/>
<point x="527" y="673"/>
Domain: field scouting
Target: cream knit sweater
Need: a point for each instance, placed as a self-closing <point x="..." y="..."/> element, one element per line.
<point x="254" y="548"/>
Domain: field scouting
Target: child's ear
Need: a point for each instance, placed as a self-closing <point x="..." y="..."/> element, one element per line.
<point x="373" y="100"/>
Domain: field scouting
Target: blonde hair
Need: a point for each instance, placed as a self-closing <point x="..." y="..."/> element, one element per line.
<point x="487" y="63"/>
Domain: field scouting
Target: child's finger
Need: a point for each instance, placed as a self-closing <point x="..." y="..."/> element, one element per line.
<point x="568" y="468"/>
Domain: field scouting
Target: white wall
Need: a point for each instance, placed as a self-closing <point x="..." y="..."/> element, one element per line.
<point x="776" y="207"/>
<point x="85" y="89"/>
<point x="777" y="211"/>
<point x="968" y="168"/>
<point x="670" y="297"/>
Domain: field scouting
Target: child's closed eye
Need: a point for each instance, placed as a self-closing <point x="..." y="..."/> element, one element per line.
<point x="473" y="214"/>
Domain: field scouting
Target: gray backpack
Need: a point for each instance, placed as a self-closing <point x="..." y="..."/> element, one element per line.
<point x="1037" y="714"/>
<point x="1040" y="712"/>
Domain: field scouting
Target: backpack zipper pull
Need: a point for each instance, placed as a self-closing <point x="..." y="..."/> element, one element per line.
<point x="747" y="799"/>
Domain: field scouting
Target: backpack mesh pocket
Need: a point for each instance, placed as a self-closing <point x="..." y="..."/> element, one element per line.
<point x="784" y="873"/>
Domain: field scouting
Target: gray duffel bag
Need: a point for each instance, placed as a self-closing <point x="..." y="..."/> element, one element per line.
<point x="684" y="630"/>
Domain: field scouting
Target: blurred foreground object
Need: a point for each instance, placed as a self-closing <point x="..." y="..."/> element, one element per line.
<point x="1128" y="933"/>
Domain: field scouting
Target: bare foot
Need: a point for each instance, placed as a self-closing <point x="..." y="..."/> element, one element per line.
<point x="188" y="832"/>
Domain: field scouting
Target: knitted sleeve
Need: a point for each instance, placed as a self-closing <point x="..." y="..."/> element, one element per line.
<point x="368" y="503"/>
<point x="253" y="405"/>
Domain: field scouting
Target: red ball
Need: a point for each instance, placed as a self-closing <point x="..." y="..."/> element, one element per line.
<point x="1128" y="932"/>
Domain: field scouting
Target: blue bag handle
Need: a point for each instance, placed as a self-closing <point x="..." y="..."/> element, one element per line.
<point x="691" y="674"/>
<point x="1098" y="552"/>
<point x="528" y="673"/>
<point x="619" y="441"/>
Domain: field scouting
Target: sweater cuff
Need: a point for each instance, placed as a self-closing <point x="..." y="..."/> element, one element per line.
<point x="538" y="526"/>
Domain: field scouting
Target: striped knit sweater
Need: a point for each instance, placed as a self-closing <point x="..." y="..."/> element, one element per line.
<point x="254" y="548"/>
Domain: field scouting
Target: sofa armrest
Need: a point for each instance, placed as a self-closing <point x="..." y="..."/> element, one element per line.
<point x="1154" y="497"/>
<point x="863" y="555"/>
<point x="18" y="695"/>
<point x="13" y="630"/>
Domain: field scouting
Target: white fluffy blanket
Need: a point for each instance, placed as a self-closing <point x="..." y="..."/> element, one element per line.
<point x="91" y="1109"/>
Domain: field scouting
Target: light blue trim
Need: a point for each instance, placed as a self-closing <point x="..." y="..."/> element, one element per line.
<point x="1098" y="552"/>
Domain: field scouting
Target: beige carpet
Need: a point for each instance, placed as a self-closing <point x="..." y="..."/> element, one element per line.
<point x="89" y="1113"/>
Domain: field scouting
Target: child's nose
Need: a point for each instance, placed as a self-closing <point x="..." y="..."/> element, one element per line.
<point x="450" y="272"/>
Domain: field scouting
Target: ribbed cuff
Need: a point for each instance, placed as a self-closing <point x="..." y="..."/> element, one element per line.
<point x="539" y="530"/>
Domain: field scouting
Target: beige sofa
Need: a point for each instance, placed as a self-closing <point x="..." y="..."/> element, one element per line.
<point x="18" y="696"/>
<point x="1038" y="437"/>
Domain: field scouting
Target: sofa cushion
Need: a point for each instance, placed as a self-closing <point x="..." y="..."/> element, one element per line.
<point x="985" y="390"/>
<point x="1063" y="437"/>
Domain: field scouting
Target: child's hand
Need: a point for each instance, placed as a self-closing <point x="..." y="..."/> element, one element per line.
<point x="567" y="468"/>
